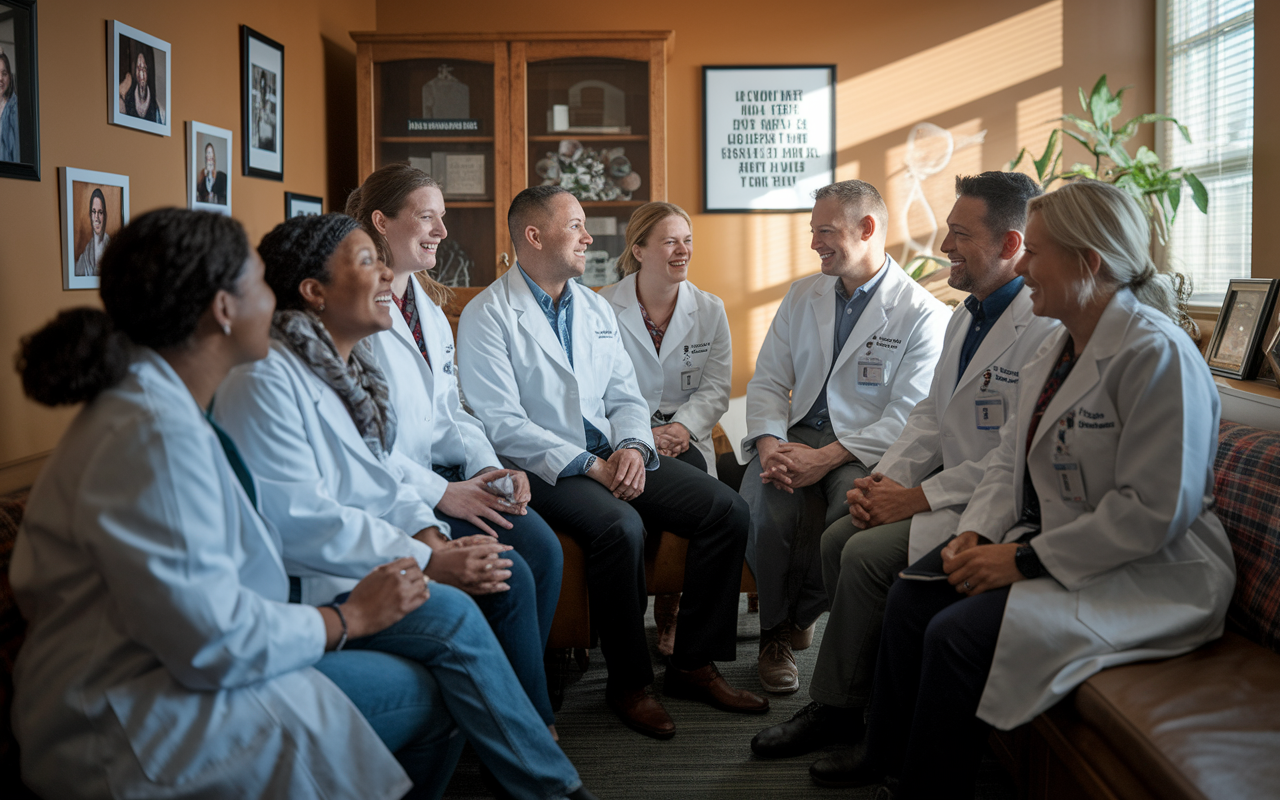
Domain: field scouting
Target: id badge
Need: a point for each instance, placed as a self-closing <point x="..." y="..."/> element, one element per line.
<point x="989" y="412"/>
<point x="690" y="379"/>
<point x="870" y="371"/>
<point x="1070" y="478"/>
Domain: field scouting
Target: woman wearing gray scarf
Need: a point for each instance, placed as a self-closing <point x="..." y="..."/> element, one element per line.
<point x="314" y="426"/>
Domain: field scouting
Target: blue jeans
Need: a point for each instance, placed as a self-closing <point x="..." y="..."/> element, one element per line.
<point x="521" y="618"/>
<point x="403" y="704"/>
<point x="450" y="638"/>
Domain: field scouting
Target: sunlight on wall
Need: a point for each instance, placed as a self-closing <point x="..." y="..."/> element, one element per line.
<point x="924" y="85"/>
<point x="850" y="171"/>
<point x="777" y="250"/>
<point x="1037" y="116"/>
<point x="939" y="189"/>
<point x="761" y="319"/>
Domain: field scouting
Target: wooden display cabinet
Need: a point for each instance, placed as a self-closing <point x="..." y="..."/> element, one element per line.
<point x="541" y="105"/>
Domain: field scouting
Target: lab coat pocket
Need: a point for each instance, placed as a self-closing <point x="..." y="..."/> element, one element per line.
<point x="1144" y="602"/>
<point x="179" y="735"/>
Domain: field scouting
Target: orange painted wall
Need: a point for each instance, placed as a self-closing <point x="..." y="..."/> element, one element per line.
<point x="1003" y="66"/>
<point x="319" y="145"/>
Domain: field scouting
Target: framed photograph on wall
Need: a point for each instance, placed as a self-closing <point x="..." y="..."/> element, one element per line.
<point x="19" y="91"/>
<point x="139" y="78"/>
<point x="1234" y="350"/>
<point x="302" y="205"/>
<point x="95" y="205"/>
<point x="768" y="136"/>
<point x="208" y="156"/>
<point x="261" y="105"/>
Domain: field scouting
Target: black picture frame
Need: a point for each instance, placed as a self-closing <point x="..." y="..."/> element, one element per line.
<point x="756" y="138"/>
<point x="301" y="205"/>
<point x="261" y="105"/>
<point x="1234" y="350"/>
<point x="24" y="74"/>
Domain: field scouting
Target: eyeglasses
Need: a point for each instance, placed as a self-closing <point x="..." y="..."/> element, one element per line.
<point x="97" y="212"/>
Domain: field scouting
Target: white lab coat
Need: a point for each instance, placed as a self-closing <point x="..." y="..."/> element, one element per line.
<point x="1142" y="568"/>
<point x="433" y="426"/>
<point x="692" y="376"/>
<point x="902" y="326"/>
<point x="942" y="430"/>
<point x="161" y="659"/>
<point x="518" y="380"/>
<point x="340" y="511"/>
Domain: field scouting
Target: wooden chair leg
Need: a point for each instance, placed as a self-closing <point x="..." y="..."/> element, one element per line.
<point x="753" y="603"/>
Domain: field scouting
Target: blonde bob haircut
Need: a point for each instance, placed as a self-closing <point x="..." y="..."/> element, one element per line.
<point x="386" y="190"/>
<point x="1091" y="216"/>
<point x="642" y="223"/>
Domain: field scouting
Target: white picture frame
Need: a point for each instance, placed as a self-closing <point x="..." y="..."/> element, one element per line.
<point x="78" y="188"/>
<point x="768" y="136"/>
<point x="203" y="194"/>
<point x="125" y="45"/>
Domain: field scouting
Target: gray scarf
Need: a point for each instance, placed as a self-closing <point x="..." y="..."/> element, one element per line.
<point x="359" y="382"/>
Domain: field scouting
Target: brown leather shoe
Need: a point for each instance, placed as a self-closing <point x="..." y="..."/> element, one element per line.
<point x="777" y="665"/>
<point x="666" y="607"/>
<point x="707" y="685"/>
<point x="641" y="711"/>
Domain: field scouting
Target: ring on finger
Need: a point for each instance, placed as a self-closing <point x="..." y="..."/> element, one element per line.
<point x="968" y="586"/>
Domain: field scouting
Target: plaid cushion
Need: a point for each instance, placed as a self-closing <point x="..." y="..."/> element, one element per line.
<point x="12" y="627"/>
<point x="1247" y="489"/>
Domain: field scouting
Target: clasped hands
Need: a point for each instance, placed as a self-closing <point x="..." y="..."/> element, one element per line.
<point x="671" y="439"/>
<point x="879" y="500"/>
<point x="793" y="465"/>
<point x="470" y="563"/>
<point x="974" y="565"/>
<point x="622" y="473"/>
<point x="472" y="500"/>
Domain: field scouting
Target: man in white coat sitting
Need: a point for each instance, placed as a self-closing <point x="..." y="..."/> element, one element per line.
<point x="849" y="354"/>
<point x="922" y="484"/>
<point x="543" y="365"/>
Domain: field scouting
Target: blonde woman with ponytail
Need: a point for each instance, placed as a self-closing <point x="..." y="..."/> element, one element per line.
<point x="1090" y="541"/>
<point x="676" y="334"/>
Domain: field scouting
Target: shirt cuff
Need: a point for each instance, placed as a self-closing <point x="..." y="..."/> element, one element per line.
<point x="646" y="452"/>
<point x="578" y="466"/>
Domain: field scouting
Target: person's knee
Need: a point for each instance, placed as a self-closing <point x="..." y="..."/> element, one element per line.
<point x="621" y="529"/>
<point x="448" y="609"/>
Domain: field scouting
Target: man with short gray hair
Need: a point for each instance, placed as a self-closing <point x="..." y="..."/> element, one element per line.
<point x="849" y="354"/>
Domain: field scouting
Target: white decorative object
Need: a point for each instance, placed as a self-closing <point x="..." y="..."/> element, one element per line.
<point x="613" y="114"/>
<point x="929" y="150"/>
<point x="445" y="97"/>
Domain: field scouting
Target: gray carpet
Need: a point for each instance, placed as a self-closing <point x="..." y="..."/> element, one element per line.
<point x="709" y="758"/>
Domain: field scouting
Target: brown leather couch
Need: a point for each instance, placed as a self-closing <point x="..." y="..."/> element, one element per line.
<point x="1203" y="726"/>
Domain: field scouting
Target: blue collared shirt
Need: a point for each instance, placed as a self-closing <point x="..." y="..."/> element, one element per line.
<point x="560" y="317"/>
<point x="985" y="313"/>
<point x="848" y="311"/>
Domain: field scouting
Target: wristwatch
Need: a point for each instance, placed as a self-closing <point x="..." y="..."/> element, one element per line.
<point x="591" y="462"/>
<point x="1027" y="562"/>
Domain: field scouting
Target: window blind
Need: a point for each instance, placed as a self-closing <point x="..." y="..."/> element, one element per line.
<point x="1208" y="87"/>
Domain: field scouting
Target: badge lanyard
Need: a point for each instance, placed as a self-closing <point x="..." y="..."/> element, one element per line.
<point x="1065" y="466"/>
<point x="988" y="406"/>
<point x="870" y="369"/>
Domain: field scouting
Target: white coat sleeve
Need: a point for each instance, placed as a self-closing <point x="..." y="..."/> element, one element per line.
<point x="769" y="390"/>
<point x="157" y="527"/>
<point x="908" y="387"/>
<point x="918" y="451"/>
<point x="258" y="407"/>
<point x="1168" y="409"/>
<point x="708" y="404"/>
<point x="489" y="381"/>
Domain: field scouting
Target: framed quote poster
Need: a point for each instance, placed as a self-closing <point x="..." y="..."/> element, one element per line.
<point x="768" y="136"/>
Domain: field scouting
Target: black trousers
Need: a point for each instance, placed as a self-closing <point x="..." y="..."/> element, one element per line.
<point x="679" y="498"/>
<point x="935" y="654"/>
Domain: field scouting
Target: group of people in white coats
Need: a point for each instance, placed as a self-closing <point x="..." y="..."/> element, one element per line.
<point x="274" y="550"/>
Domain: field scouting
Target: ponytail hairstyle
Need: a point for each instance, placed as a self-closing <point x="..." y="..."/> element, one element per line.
<point x="386" y="190"/>
<point x="643" y="221"/>
<point x="1091" y="216"/>
<point x="159" y="275"/>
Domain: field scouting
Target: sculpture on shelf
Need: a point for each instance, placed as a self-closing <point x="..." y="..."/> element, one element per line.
<point x="453" y="265"/>
<point x="609" y="112"/>
<point x="589" y="174"/>
<point x="445" y="97"/>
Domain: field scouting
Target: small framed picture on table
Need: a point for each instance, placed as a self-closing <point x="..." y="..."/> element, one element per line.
<point x="1234" y="351"/>
<point x="302" y="205"/>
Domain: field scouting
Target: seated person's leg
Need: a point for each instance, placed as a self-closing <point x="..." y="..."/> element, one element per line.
<point x="402" y="703"/>
<point x="515" y="615"/>
<point x="694" y="458"/>
<point x="450" y="637"/>
<point x="859" y="566"/>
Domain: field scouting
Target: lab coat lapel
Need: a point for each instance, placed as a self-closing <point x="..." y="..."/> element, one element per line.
<point x="404" y="337"/>
<point x="821" y="307"/>
<point x="626" y="306"/>
<point x="874" y="317"/>
<point x="682" y="320"/>
<point x="1001" y="337"/>
<point x="533" y="320"/>
<point x="335" y="416"/>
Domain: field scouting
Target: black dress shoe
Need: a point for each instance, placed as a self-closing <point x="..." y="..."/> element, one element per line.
<point x="846" y="768"/>
<point x="814" y="726"/>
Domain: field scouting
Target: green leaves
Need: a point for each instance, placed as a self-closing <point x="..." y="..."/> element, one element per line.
<point x="1158" y="191"/>
<point x="923" y="265"/>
